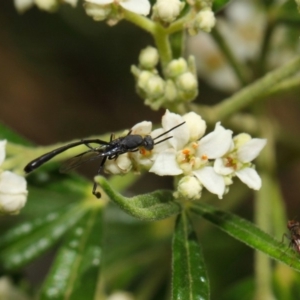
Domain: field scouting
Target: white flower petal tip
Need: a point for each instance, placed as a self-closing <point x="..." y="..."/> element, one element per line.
<point x="215" y="144"/>
<point x="196" y="126"/>
<point x="251" y="149"/>
<point x="250" y="177"/>
<point x="13" y="192"/>
<point x="181" y="134"/>
<point x="140" y="7"/>
<point x="212" y="181"/>
<point x="142" y="128"/>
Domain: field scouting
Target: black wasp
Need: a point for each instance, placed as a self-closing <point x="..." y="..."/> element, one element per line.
<point x="105" y="150"/>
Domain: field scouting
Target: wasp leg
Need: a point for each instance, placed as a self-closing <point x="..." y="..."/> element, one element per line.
<point x="98" y="194"/>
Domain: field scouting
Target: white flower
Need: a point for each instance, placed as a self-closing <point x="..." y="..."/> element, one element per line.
<point x="187" y="154"/>
<point x="238" y="161"/>
<point x="140" y="7"/>
<point x="13" y="190"/>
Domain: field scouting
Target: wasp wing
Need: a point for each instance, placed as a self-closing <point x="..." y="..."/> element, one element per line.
<point x="81" y="158"/>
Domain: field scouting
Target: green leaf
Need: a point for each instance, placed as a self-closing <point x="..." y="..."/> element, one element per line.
<point x="247" y="233"/>
<point x="189" y="280"/>
<point x="31" y="239"/>
<point x="153" y="206"/>
<point x="75" y="272"/>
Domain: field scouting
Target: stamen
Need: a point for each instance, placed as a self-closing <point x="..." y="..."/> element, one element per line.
<point x="204" y="157"/>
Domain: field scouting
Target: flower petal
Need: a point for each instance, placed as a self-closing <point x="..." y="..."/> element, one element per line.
<point x="140" y="7"/>
<point x="2" y="151"/>
<point x="11" y="183"/>
<point x="250" y="149"/>
<point x="250" y="177"/>
<point x="142" y="128"/>
<point x="180" y="135"/>
<point x="221" y="169"/>
<point x="212" y="181"/>
<point x="12" y="203"/>
<point x="165" y="164"/>
<point x="216" y="143"/>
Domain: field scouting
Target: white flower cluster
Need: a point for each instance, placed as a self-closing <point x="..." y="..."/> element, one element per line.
<point x="209" y="161"/>
<point x="13" y="190"/>
<point x="180" y="83"/>
<point x="111" y="10"/>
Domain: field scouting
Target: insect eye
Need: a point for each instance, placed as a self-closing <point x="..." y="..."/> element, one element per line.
<point x="148" y="142"/>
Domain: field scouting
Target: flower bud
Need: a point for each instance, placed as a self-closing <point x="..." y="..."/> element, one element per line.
<point x="121" y="165"/>
<point x="49" y="5"/>
<point x="170" y="91"/>
<point x="13" y="193"/>
<point x="143" y="79"/>
<point x="196" y="125"/>
<point x="97" y="12"/>
<point x="241" y="139"/>
<point x="148" y="58"/>
<point x="189" y="188"/>
<point x="187" y="82"/>
<point x="176" y="67"/>
<point x="205" y="20"/>
<point x="155" y="87"/>
<point x="168" y="10"/>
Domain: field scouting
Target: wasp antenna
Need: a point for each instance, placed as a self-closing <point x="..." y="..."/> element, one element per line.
<point x="169" y="137"/>
<point x="167" y="132"/>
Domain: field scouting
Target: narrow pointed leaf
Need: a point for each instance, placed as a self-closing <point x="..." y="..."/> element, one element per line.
<point x="31" y="239"/>
<point x="153" y="206"/>
<point x="75" y="272"/>
<point x="248" y="233"/>
<point x="189" y="278"/>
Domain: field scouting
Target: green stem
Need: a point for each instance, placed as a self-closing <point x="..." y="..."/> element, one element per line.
<point x="180" y="24"/>
<point x="261" y="62"/>
<point x="237" y="68"/>
<point x="159" y="33"/>
<point x="142" y="22"/>
<point x="254" y="91"/>
<point x="163" y="45"/>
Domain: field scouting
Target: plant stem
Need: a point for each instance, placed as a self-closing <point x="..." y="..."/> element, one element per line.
<point x="236" y="66"/>
<point x="254" y="91"/>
